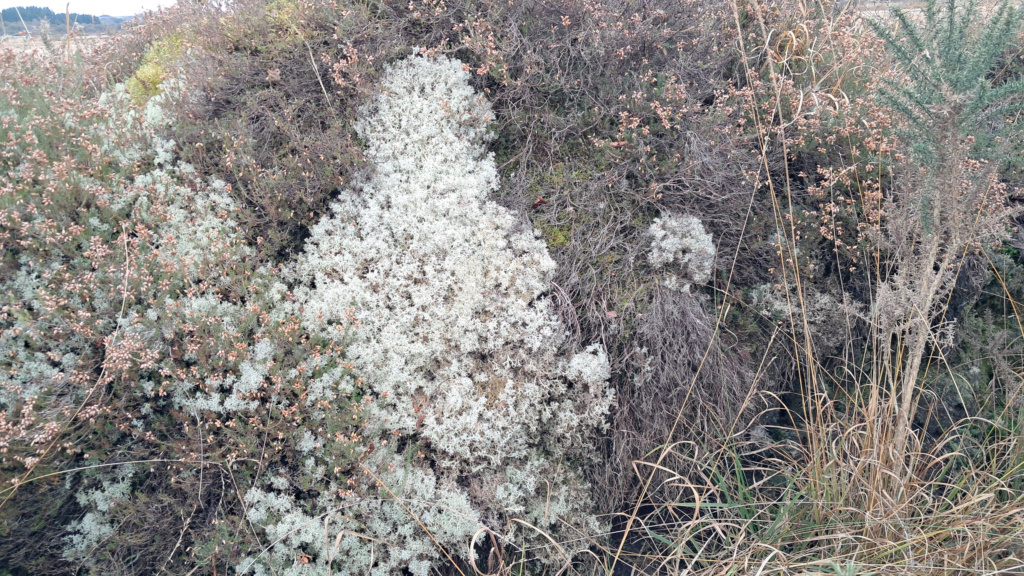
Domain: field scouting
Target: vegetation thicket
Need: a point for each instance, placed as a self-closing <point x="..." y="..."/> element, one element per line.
<point x="491" y="287"/>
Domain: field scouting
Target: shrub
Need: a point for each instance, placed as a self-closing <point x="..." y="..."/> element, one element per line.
<point x="266" y="115"/>
<point x="156" y="67"/>
<point x="736" y="199"/>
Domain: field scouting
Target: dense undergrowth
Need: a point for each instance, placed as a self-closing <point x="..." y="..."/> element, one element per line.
<point x="451" y="287"/>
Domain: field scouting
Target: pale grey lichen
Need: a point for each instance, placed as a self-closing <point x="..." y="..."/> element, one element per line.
<point x="94" y="526"/>
<point x="476" y="410"/>
<point x="682" y="247"/>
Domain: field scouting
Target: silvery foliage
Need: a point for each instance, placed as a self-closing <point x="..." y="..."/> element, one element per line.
<point x="26" y="368"/>
<point x="193" y="216"/>
<point x="682" y="247"/>
<point x="125" y="120"/>
<point x="441" y="294"/>
<point x="191" y="221"/>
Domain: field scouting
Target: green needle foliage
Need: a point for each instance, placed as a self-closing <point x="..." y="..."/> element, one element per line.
<point x="955" y="76"/>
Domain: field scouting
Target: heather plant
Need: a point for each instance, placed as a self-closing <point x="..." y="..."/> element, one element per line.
<point x="613" y="115"/>
<point x="272" y="121"/>
<point x="852" y="459"/>
<point x="143" y="345"/>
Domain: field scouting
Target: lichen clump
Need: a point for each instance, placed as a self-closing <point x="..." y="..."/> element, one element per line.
<point x="682" y="247"/>
<point x="478" y="413"/>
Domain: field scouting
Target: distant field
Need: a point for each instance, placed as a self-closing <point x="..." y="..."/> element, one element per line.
<point x="21" y="43"/>
<point x="24" y="44"/>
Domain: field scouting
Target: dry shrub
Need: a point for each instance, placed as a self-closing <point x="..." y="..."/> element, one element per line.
<point x="118" y="57"/>
<point x="853" y="208"/>
<point x="261" y="111"/>
<point x="608" y="115"/>
<point x="686" y="368"/>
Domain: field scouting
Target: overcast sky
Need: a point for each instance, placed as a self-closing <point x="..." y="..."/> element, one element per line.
<point x="94" y="7"/>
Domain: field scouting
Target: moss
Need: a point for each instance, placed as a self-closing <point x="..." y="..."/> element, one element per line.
<point x="555" y="236"/>
<point x="145" y="83"/>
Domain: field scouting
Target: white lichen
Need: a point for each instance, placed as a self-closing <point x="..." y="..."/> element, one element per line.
<point x="683" y="248"/>
<point x="94" y="526"/>
<point x="455" y="339"/>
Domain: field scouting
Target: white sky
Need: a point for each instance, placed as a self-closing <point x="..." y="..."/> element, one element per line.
<point x="94" y="7"/>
